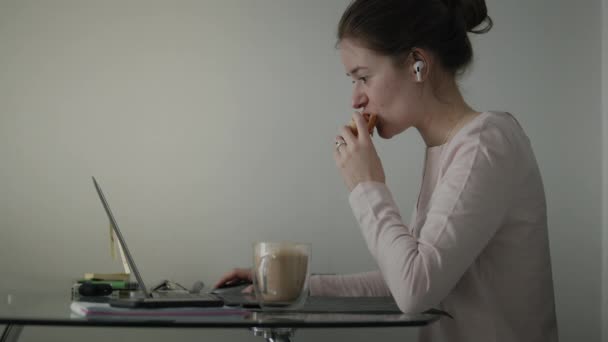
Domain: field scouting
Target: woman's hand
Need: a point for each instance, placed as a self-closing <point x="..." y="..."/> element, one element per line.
<point x="356" y="157"/>
<point x="236" y="276"/>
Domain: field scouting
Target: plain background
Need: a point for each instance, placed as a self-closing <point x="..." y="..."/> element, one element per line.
<point x="605" y="168"/>
<point x="210" y="125"/>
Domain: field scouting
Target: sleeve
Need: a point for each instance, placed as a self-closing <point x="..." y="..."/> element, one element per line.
<point x="465" y="211"/>
<point x="367" y="284"/>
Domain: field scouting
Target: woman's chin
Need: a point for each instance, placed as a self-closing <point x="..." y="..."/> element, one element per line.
<point x="382" y="133"/>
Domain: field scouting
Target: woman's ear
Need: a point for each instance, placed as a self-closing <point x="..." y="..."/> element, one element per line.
<point x="420" y="64"/>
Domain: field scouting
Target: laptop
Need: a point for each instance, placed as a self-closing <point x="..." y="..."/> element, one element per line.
<point x="147" y="299"/>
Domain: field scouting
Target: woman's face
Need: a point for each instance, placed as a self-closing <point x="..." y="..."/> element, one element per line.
<point x="380" y="87"/>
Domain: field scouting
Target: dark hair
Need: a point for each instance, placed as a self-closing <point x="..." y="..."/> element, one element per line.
<point x="394" y="27"/>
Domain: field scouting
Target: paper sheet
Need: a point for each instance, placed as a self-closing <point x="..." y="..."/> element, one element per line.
<point x="113" y="243"/>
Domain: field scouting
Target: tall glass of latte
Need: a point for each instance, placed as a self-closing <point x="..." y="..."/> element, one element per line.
<point x="280" y="274"/>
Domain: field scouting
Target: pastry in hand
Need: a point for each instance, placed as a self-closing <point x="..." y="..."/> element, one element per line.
<point x="371" y="123"/>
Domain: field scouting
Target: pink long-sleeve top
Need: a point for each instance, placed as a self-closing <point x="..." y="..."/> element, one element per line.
<point x="477" y="244"/>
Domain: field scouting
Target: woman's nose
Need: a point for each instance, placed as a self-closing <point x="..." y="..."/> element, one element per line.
<point x="359" y="99"/>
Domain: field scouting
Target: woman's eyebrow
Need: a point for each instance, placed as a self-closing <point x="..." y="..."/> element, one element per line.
<point x="356" y="70"/>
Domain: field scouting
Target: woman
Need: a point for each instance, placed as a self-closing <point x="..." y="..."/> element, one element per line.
<point x="477" y="244"/>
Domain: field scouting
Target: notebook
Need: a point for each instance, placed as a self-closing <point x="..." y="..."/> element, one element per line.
<point x="93" y="310"/>
<point x="147" y="299"/>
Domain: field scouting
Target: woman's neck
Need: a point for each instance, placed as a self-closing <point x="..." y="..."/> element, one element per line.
<point x="443" y="116"/>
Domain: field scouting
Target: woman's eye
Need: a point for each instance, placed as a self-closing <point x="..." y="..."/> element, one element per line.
<point x="363" y="79"/>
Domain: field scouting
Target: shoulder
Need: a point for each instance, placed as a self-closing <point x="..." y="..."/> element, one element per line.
<point x="492" y="128"/>
<point x="496" y="137"/>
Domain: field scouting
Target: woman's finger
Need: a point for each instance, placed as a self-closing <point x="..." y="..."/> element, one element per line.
<point x="224" y="279"/>
<point x="248" y="289"/>
<point x="361" y="126"/>
<point x="347" y="135"/>
<point x="234" y="275"/>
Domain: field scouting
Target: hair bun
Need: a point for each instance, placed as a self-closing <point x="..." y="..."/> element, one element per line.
<point x="474" y="13"/>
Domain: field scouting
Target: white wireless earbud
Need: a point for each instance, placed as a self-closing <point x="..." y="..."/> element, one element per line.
<point x="418" y="66"/>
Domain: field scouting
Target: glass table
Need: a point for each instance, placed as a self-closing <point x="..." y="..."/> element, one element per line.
<point x="18" y="310"/>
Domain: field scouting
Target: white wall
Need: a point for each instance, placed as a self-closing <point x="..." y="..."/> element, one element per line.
<point x="210" y="125"/>
<point x="605" y="168"/>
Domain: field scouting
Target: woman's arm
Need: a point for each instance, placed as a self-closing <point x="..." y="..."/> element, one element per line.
<point x="466" y="210"/>
<point x="368" y="284"/>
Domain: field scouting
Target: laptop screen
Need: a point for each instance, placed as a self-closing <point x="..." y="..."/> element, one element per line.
<point x="121" y="240"/>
